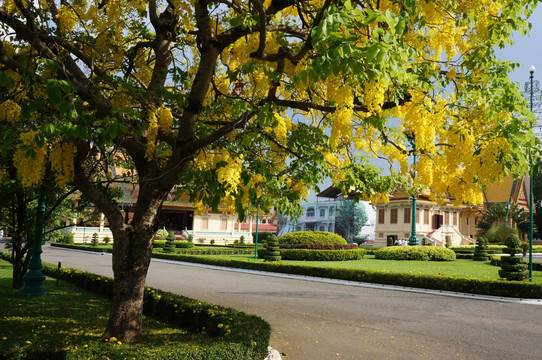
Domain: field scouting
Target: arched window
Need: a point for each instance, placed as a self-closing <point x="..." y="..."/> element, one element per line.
<point x="310" y="212"/>
<point x="322" y="213"/>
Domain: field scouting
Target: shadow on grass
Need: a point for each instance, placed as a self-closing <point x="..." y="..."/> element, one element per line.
<point x="68" y="323"/>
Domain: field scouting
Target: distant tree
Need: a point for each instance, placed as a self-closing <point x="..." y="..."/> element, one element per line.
<point x="504" y="215"/>
<point x="352" y="218"/>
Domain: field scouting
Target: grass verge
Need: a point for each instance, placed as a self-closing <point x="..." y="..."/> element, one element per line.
<point x="67" y="323"/>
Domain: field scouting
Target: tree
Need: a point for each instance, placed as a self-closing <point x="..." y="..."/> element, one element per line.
<point x="251" y="103"/>
<point x="503" y="216"/>
<point x="352" y="218"/>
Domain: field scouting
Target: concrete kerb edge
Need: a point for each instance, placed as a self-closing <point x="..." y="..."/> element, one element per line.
<point x="344" y="282"/>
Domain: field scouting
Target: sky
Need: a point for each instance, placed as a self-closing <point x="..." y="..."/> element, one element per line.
<point x="526" y="51"/>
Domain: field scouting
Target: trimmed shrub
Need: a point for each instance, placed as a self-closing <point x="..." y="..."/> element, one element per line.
<point x="106" y="240"/>
<point x="422" y="253"/>
<point x="480" y="251"/>
<point x="317" y="255"/>
<point x="513" y="268"/>
<point x="273" y="252"/>
<point x="319" y="246"/>
<point x="94" y="240"/>
<point x="161" y="234"/>
<point x="311" y="237"/>
<point x="184" y="244"/>
<point x="170" y="243"/>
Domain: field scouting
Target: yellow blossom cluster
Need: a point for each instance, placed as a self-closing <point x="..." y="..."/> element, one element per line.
<point x="61" y="159"/>
<point x="30" y="165"/>
<point x="165" y="119"/>
<point x="152" y="133"/>
<point x="9" y="111"/>
<point x="229" y="175"/>
<point x="66" y="18"/>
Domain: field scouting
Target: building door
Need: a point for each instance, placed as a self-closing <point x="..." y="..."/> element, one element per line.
<point x="438" y="220"/>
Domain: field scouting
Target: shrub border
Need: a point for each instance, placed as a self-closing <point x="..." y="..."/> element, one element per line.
<point x="490" y="287"/>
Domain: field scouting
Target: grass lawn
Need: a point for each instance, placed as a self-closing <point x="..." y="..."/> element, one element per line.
<point x="460" y="268"/>
<point x="68" y="322"/>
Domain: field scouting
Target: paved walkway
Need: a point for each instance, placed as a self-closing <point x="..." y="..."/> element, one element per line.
<point x="319" y="321"/>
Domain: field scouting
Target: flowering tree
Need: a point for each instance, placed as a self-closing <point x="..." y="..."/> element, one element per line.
<point x="249" y="103"/>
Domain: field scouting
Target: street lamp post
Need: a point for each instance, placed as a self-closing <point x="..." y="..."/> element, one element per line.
<point x="413" y="240"/>
<point x="256" y="239"/>
<point x="531" y="71"/>
<point x="34" y="278"/>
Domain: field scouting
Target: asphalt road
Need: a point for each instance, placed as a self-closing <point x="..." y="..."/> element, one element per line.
<point x="319" y="321"/>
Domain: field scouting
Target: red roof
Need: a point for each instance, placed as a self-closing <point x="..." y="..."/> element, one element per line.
<point x="261" y="227"/>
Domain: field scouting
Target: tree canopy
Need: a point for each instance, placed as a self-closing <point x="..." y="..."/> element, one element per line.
<point x="250" y="103"/>
<point x="352" y="218"/>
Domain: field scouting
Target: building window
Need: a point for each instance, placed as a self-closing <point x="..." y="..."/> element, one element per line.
<point x="467" y="221"/>
<point x="446" y="218"/>
<point x="417" y="216"/>
<point x="455" y="218"/>
<point x="331" y="211"/>
<point x="406" y="217"/>
<point x="224" y="223"/>
<point x="310" y="212"/>
<point x="393" y="216"/>
<point x="381" y="235"/>
<point x="205" y="223"/>
<point x="322" y="213"/>
<point x="426" y="216"/>
<point x="322" y="228"/>
<point x="381" y="215"/>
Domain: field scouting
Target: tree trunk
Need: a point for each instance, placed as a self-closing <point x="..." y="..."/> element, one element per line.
<point x="131" y="258"/>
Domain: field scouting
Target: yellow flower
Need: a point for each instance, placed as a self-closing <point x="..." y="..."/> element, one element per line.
<point x="220" y="326"/>
<point x="28" y="342"/>
<point x="4" y="338"/>
<point x="112" y="339"/>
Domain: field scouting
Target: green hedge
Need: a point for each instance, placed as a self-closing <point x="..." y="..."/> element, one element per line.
<point x="160" y="244"/>
<point x="422" y="253"/>
<point x="93" y="248"/>
<point x="311" y="237"/>
<point x="437" y="282"/>
<point x="249" y="334"/>
<point x="472" y="286"/>
<point x="317" y="255"/>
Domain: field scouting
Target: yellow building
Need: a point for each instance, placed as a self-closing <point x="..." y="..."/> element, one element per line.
<point x="442" y="224"/>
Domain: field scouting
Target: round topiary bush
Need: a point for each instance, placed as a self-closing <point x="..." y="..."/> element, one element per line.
<point x="311" y="237"/>
<point x="422" y="253"/>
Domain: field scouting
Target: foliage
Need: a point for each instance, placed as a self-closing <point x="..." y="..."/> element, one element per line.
<point x="273" y="252"/>
<point x="250" y="104"/>
<point x="94" y="240"/>
<point x="423" y="253"/>
<point x="513" y="267"/>
<point x="317" y="255"/>
<point x="498" y="234"/>
<point x="504" y="214"/>
<point x="483" y="286"/>
<point x="47" y="331"/>
<point x="106" y="240"/>
<point x="161" y="234"/>
<point x="311" y="237"/>
<point x="170" y="243"/>
<point x="480" y="251"/>
<point x="352" y="218"/>
<point x="65" y="238"/>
